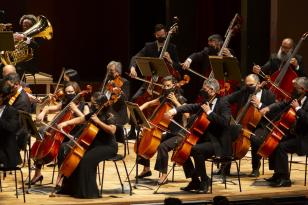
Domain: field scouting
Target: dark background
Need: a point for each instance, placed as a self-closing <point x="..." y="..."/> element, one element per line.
<point x="89" y="34"/>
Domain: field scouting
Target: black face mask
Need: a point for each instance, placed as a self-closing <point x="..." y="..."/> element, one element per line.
<point x="213" y="51"/>
<point x="69" y="97"/>
<point x="250" y="89"/>
<point x="7" y="89"/>
<point x="166" y="92"/>
<point x="161" y="39"/>
<point x="295" y="94"/>
<point x="204" y="94"/>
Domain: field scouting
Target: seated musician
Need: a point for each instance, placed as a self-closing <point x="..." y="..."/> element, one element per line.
<point x="117" y="83"/>
<point x="169" y="140"/>
<point x="82" y="183"/>
<point x="9" y="123"/>
<point x="214" y="140"/>
<point x="277" y="60"/>
<point x="294" y="141"/>
<point x="260" y="98"/>
<point x="71" y="89"/>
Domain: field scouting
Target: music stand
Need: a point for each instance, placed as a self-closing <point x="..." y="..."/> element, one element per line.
<point x="138" y="120"/>
<point x="149" y="66"/>
<point x="225" y="68"/>
<point x="6" y="41"/>
<point x="28" y="124"/>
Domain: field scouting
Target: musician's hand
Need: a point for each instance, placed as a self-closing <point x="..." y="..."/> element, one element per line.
<point x="255" y="101"/>
<point x="294" y="103"/>
<point x="206" y="107"/>
<point x="264" y="110"/>
<point x="133" y="72"/>
<point x="61" y="125"/>
<point x="256" y="69"/>
<point x="294" y="62"/>
<point x="18" y="36"/>
<point x="95" y="118"/>
<point x="73" y="106"/>
<point x="169" y="114"/>
<point x="226" y="52"/>
<point x="172" y="97"/>
<point x="186" y="64"/>
<point x="167" y="57"/>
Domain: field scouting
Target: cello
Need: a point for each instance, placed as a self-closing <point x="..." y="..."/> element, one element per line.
<point x="48" y="148"/>
<point x="197" y="128"/>
<point x="83" y="142"/>
<point x="283" y="77"/>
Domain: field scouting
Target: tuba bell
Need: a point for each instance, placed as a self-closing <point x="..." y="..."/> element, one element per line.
<point x="41" y="29"/>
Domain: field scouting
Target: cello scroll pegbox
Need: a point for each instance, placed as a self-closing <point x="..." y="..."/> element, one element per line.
<point x="305" y="35"/>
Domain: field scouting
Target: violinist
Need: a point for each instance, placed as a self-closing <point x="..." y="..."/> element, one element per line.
<point x="260" y="98"/>
<point x="295" y="141"/>
<point x="214" y="140"/>
<point x="70" y="75"/>
<point x="116" y="83"/>
<point x="277" y="60"/>
<point x="9" y="123"/>
<point x="82" y="183"/>
<point x="169" y="140"/>
<point x="70" y="89"/>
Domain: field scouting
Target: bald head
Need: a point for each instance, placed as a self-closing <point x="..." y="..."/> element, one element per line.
<point x="8" y="69"/>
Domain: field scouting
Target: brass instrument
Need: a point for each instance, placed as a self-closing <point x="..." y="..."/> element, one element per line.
<point x="42" y="28"/>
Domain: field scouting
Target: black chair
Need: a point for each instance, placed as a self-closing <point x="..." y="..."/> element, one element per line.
<point x="225" y="162"/>
<point x="119" y="157"/>
<point x="6" y="169"/>
<point x="290" y="167"/>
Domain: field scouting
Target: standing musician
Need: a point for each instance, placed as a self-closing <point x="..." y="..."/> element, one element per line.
<point x="116" y="83"/>
<point x="9" y="123"/>
<point x="214" y="140"/>
<point x="278" y="59"/>
<point x="295" y="141"/>
<point x="169" y="140"/>
<point x="82" y="183"/>
<point x="71" y="89"/>
<point x="260" y="99"/>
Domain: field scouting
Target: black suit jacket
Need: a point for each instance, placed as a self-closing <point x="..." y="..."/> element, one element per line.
<point x="273" y="64"/>
<point x="151" y="50"/>
<point x="301" y="124"/>
<point x="219" y="122"/>
<point x="8" y="144"/>
<point x="22" y="102"/>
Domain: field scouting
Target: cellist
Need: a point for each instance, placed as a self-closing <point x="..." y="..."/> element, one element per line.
<point x="276" y="60"/>
<point x="214" y="140"/>
<point x="168" y="142"/>
<point x="295" y="141"/>
<point x="71" y="89"/>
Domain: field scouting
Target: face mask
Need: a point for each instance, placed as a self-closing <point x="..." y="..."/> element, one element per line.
<point x="161" y="39"/>
<point x="204" y="94"/>
<point x="6" y="89"/>
<point x="250" y="89"/>
<point x="213" y="51"/>
<point x="69" y="97"/>
<point x="168" y="91"/>
<point x="295" y="94"/>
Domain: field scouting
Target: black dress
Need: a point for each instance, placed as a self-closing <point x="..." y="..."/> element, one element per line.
<point x="82" y="183"/>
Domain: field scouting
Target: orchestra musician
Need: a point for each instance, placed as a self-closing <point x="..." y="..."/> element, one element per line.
<point x="169" y="139"/>
<point x="294" y="141"/>
<point x="82" y="183"/>
<point x="70" y="75"/>
<point x="214" y="140"/>
<point x="71" y="89"/>
<point x="9" y="123"/>
<point x="277" y="60"/>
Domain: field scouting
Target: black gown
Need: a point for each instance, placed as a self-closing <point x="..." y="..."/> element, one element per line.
<point x="82" y="183"/>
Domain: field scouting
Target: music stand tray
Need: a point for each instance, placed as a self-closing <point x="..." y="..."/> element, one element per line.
<point x="149" y="66"/>
<point x="6" y="41"/>
<point x="137" y="115"/>
<point x="225" y="68"/>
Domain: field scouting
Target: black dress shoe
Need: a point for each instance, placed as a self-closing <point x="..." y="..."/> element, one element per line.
<point x="146" y="174"/>
<point x="254" y="173"/>
<point x="193" y="185"/>
<point x="273" y="178"/>
<point x="281" y="183"/>
<point x="204" y="187"/>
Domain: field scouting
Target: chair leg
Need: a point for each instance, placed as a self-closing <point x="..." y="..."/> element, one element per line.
<point x="53" y="171"/>
<point x="173" y="167"/>
<point x="127" y="176"/>
<point x="290" y="165"/>
<point x="126" y="140"/>
<point x="305" y="171"/>
<point x="115" y="164"/>
<point x="16" y="184"/>
<point x="0" y="183"/>
<point x="103" y="173"/>
<point x="263" y="165"/>
<point x="99" y="175"/>
<point x="22" y="185"/>
<point x="212" y="166"/>
<point x="238" y="175"/>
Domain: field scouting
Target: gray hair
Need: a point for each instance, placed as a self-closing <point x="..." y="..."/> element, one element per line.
<point x="212" y="83"/>
<point x="254" y="76"/>
<point x="118" y="66"/>
<point x="302" y="82"/>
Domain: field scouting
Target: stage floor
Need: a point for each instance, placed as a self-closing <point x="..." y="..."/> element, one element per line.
<point x="251" y="188"/>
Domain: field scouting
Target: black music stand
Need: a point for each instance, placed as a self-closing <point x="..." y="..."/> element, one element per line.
<point x="138" y="120"/>
<point x="28" y="124"/>
<point x="149" y="66"/>
<point x="6" y="41"/>
<point x="225" y="68"/>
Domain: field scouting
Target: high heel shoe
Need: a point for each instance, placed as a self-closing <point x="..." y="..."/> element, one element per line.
<point x="35" y="180"/>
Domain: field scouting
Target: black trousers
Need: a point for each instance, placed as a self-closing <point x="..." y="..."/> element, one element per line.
<point x="200" y="152"/>
<point x="256" y="142"/>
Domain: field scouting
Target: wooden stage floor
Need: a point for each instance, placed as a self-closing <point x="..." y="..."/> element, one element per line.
<point x="251" y="188"/>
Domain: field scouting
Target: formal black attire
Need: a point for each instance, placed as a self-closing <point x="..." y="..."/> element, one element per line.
<point x="82" y="183"/>
<point x="9" y="122"/>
